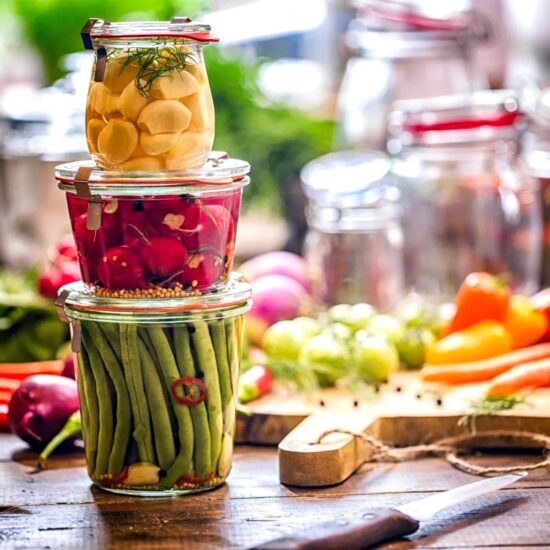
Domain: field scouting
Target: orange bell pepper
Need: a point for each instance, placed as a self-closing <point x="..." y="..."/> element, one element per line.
<point x="480" y="341"/>
<point x="524" y="322"/>
<point x="481" y="297"/>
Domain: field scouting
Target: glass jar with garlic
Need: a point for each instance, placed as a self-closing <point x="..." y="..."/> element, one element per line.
<point x="149" y="104"/>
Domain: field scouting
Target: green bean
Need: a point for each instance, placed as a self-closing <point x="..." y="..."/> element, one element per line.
<point x="233" y="352"/>
<point x="183" y="464"/>
<point x="132" y="372"/>
<point x="105" y="404"/>
<point x="111" y="332"/>
<point x="217" y="333"/>
<point x="206" y="359"/>
<point x="162" y="429"/>
<point x="199" y="415"/>
<point x="84" y="364"/>
<point x="123" y="410"/>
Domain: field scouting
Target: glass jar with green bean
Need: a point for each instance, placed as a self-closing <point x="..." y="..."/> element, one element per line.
<point x="157" y="380"/>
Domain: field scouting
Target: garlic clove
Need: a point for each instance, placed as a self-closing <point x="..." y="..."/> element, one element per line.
<point x="157" y="144"/>
<point x="119" y="73"/>
<point x="93" y="129"/>
<point x="164" y="116"/>
<point x="174" y="85"/>
<point x="202" y="110"/>
<point x="142" y="163"/>
<point x="117" y="141"/>
<point x="190" y="151"/>
<point x="131" y="102"/>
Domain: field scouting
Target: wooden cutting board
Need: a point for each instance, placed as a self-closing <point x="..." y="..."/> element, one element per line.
<point x="404" y="412"/>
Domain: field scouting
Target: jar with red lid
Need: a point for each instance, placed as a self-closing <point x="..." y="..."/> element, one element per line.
<point x="151" y="234"/>
<point x="469" y="203"/>
<point x="149" y="103"/>
<point x="405" y="50"/>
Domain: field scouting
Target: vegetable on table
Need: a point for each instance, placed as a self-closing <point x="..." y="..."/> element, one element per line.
<point x="523" y="377"/>
<point x="481" y="297"/>
<point x="483" y="340"/>
<point x="480" y="371"/>
<point x="41" y="406"/>
<point x="71" y="429"/>
<point x="254" y="383"/>
<point x="524" y="322"/>
<point x="20" y="371"/>
<point x="541" y="301"/>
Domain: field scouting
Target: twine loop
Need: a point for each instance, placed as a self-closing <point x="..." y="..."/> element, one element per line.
<point x="451" y="447"/>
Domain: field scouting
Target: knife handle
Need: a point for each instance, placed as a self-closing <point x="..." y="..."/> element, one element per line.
<point x="375" y="525"/>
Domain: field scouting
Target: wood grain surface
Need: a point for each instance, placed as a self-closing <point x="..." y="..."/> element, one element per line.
<point x="58" y="508"/>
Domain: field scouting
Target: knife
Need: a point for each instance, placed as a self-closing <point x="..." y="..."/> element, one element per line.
<point x="377" y="525"/>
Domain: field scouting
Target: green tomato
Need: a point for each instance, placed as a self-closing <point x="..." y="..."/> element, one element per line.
<point x="360" y="316"/>
<point x="412" y="347"/>
<point x="283" y="340"/>
<point x="339" y="331"/>
<point x="311" y="327"/>
<point x="387" y="326"/>
<point x="375" y="358"/>
<point x="327" y="357"/>
<point x="339" y="314"/>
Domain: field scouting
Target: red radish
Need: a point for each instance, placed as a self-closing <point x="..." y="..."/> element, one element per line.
<point x="121" y="268"/>
<point x="277" y="263"/>
<point x="163" y="256"/>
<point x="41" y="406"/>
<point x="215" y="229"/>
<point x="274" y="298"/>
<point x="55" y="276"/>
<point x="173" y="217"/>
<point x="203" y="270"/>
<point x="64" y="251"/>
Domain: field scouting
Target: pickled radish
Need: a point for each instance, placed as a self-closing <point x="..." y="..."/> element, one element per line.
<point x="118" y="140"/>
<point x="164" y="116"/>
<point x="163" y="256"/>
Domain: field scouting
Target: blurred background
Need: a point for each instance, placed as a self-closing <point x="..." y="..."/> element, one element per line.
<point x="291" y="81"/>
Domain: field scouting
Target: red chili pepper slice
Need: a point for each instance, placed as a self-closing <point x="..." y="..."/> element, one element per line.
<point x="196" y="391"/>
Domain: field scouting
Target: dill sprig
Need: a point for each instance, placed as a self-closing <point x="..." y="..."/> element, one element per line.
<point x="154" y="63"/>
<point x="488" y="406"/>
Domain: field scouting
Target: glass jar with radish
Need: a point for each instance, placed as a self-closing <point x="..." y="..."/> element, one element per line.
<point x="149" y="103"/>
<point x="151" y="235"/>
<point x="157" y="387"/>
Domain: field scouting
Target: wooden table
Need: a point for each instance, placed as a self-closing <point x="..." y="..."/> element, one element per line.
<point x="58" y="508"/>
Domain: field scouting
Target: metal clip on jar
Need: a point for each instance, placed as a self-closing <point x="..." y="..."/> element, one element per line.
<point x="354" y="244"/>
<point x="149" y="104"/>
<point x="409" y="50"/>
<point x="155" y="234"/>
<point x="469" y="204"/>
<point x="157" y="382"/>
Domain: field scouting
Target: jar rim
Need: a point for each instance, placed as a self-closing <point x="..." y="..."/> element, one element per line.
<point x="220" y="173"/>
<point x="79" y="301"/>
<point x="96" y="31"/>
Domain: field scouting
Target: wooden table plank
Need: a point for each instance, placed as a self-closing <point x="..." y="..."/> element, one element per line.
<point x="58" y="508"/>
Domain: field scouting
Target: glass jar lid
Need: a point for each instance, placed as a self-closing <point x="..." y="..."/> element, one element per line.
<point x="78" y="301"/>
<point x="415" y="28"/>
<point x="456" y="119"/>
<point x="99" y="31"/>
<point x="219" y="174"/>
<point x="341" y="179"/>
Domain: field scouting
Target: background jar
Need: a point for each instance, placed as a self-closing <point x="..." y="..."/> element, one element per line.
<point x="354" y="243"/>
<point x="157" y="382"/>
<point x="469" y="203"/>
<point x="400" y="52"/>
<point x="146" y="234"/>
<point x="149" y="103"/>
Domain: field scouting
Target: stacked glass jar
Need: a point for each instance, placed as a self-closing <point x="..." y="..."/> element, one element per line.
<point x="157" y="320"/>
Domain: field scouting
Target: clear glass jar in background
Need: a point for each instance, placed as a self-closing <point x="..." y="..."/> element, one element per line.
<point x="157" y="386"/>
<point x="149" y="103"/>
<point x="536" y="103"/>
<point x="402" y="52"/>
<point x="354" y="243"/>
<point x="468" y="202"/>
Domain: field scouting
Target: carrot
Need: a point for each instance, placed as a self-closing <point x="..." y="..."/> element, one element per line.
<point x="20" y="371"/>
<point x="479" y="371"/>
<point x="3" y="416"/>
<point x="9" y="384"/>
<point x="523" y="377"/>
<point x="5" y="397"/>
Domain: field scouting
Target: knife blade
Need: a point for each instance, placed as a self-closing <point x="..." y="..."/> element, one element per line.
<point x="377" y="525"/>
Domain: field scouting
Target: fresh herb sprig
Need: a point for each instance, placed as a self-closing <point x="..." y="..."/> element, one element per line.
<point x="154" y="63"/>
<point x="488" y="406"/>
